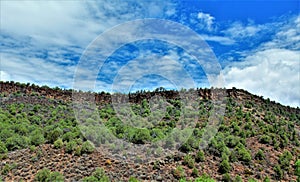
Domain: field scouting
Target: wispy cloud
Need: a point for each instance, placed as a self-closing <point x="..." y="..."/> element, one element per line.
<point x="238" y="30"/>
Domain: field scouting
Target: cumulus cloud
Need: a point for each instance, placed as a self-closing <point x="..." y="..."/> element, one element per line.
<point x="206" y="20"/>
<point x="273" y="73"/>
<point x="271" y="68"/>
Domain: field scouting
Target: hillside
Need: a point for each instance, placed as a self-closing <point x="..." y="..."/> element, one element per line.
<point x="40" y="137"/>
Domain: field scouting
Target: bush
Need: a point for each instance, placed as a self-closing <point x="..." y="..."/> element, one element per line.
<point x="42" y="175"/>
<point x="297" y="168"/>
<point x="138" y="135"/>
<point x="178" y="172"/>
<point x="90" y="179"/>
<point x="100" y="175"/>
<point x="54" y="135"/>
<point x="78" y="151"/>
<point x="260" y="155"/>
<point x="200" y="156"/>
<point x="285" y="159"/>
<point x="56" y="176"/>
<point x="265" y="139"/>
<point x="71" y="146"/>
<point x="7" y="168"/>
<point x="58" y="143"/>
<point x="133" y="179"/>
<point x="231" y="141"/>
<point x="278" y="172"/>
<point x="226" y="177"/>
<point x="189" y="161"/>
<point x="16" y="142"/>
<point x="204" y="178"/>
<point x="238" y="179"/>
<point x="3" y="148"/>
<point x="195" y="172"/>
<point x="243" y="154"/>
<point x="224" y="167"/>
<point x="37" y="137"/>
<point x="267" y="179"/>
<point x="87" y="147"/>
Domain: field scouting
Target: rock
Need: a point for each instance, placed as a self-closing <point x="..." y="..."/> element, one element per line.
<point x="159" y="178"/>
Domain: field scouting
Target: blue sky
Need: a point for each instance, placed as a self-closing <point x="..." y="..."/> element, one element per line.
<point x="256" y="43"/>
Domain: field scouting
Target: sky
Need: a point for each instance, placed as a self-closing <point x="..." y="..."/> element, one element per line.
<point x="127" y="45"/>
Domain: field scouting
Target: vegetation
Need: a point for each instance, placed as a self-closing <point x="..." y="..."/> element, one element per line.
<point x="250" y="129"/>
<point x="45" y="175"/>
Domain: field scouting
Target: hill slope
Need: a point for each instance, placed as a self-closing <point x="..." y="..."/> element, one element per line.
<point x="257" y="139"/>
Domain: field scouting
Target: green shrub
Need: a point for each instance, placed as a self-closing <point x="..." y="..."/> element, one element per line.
<point x="16" y="142"/>
<point x="100" y="175"/>
<point x="243" y="154"/>
<point x="297" y="168"/>
<point x="259" y="155"/>
<point x="56" y="176"/>
<point x="78" y="151"/>
<point x="195" y="172"/>
<point x="90" y="179"/>
<point x="54" y="135"/>
<point x="68" y="136"/>
<point x="42" y="175"/>
<point x="58" y="143"/>
<point x="37" y="137"/>
<point x="226" y="177"/>
<point x="278" y="172"/>
<point x="233" y="156"/>
<point x="224" y="167"/>
<point x="231" y="141"/>
<point x="284" y="159"/>
<point x="87" y="147"/>
<point x="204" y="178"/>
<point x="141" y="136"/>
<point x="133" y="179"/>
<point x="45" y="175"/>
<point x="189" y="161"/>
<point x="265" y="139"/>
<point x="71" y="146"/>
<point x="6" y="169"/>
<point x="267" y="179"/>
<point x="200" y="156"/>
<point x="178" y="172"/>
<point x="3" y="148"/>
<point x="238" y="179"/>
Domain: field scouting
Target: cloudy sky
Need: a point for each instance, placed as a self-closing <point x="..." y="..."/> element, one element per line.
<point x="253" y="45"/>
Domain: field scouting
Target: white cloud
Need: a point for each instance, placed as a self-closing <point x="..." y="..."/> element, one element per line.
<point x="206" y="20"/>
<point x="74" y="22"/>
<point x="287" y="36"/>
<point x="273" y="73"/>
<point x="220" y="39"/>
<point x="41" y="38"/>
<point x="4" y="76"/>
<point x="36" y="70"/>
<point x="272" y="68"/>
<point x="239" y="31"/>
